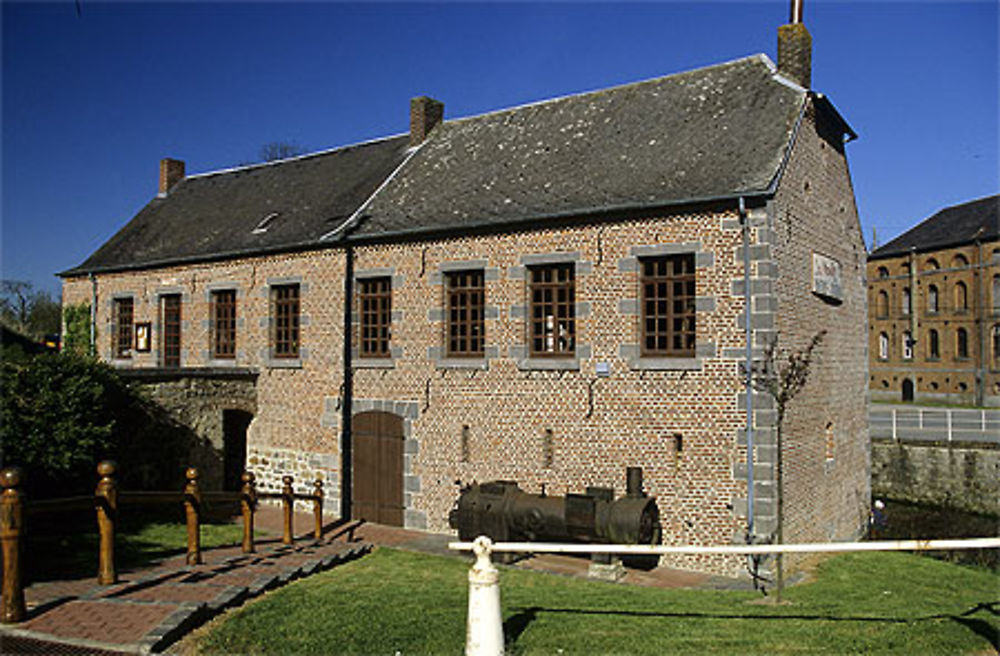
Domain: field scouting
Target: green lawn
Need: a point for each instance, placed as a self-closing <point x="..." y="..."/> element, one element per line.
<point x="398" y="602"/>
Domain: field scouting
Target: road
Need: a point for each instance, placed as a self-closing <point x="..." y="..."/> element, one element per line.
<point x="918" y="423"/>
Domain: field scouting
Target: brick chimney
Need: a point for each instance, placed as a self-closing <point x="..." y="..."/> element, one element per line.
<point x="795" y="48"/>
<point x="425" y="113"/>
<point x="171" y="172"/>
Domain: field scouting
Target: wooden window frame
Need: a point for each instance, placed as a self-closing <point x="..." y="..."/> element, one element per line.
<point x="121" y="346"/>
<point x="375" y="317"/>
<point x="667" y="313"/>
<point x="552" y="310"/>
<point x="286" y="321"/>
<point x="224" y="324"/>
<point x="465" y="307"/>
<point x="170" y="333"/>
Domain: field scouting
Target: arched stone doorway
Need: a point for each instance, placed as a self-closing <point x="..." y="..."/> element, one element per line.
<point x="377" y="467"/>
<point x="907" y="389"/>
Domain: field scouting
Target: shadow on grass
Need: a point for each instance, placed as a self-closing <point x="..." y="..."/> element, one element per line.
<point x="65" y="547"/>
<point x="517" y="624"/>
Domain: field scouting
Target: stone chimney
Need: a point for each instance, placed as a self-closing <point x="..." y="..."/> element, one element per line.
<point x="171" y="172"/>
<point x="425" y="113"/>
<point x="795" y="48"/>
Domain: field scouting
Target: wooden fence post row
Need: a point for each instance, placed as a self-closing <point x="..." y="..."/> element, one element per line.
<point x="13" y="510"/>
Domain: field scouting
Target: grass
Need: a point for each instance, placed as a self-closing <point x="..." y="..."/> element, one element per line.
<point x="68" y="549"/>
<point x="398" y="602"/>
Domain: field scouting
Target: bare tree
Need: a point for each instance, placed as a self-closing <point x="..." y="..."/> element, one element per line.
<point x="782" y="378"/>
<point x="28" y="311"/>
<point x="276" y="150"/>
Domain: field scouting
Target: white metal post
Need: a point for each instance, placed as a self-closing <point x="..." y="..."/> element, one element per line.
<point x="982" y="420"/>
<point x="920" y="415"/>
<point x="484" y="627"/>
<point x="894" y="436"/>
<point x="949" y="425"/>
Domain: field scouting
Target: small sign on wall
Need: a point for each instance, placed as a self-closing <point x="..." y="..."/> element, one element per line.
<point x="142" y="331"/>
<point x="826" y="278"/>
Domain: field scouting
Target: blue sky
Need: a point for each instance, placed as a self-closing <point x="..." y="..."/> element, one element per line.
<point x="91" y="102"/>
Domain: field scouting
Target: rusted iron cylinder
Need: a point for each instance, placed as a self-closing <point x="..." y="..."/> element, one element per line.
<point x="288" y="506"/>
<point x="248" y="503"/>
<point x="192" y="509"/>
<point x="106" y="501"/>
<point x="318" y="508"/>
<point x="11" y="534"/>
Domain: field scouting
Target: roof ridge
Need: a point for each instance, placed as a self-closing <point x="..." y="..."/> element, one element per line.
<point x="763" y="58"/>
<point x="286" y="160"/>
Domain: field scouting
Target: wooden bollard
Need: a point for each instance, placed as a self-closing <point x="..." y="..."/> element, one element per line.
<point x="248" y="502"/>
<point x="192" y="508"/>
<point x="318" y="508"/>
<point x="106" y="500"/>
<point x="11" y="532"/>
<point x="288" y="505"/>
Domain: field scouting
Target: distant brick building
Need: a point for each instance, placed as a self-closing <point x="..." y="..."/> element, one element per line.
<point x="547" y="294"/>
<point x="934" y="309"/>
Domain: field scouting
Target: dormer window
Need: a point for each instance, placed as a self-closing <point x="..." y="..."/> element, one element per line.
<point x="264" y="224"/>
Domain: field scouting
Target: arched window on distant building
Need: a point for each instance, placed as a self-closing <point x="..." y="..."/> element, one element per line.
<point x="961" y="343"/>
<point x="907" y="299"/>
<point x="959" y="261"/>
<point x="933" y="345"/>
<point x="932" y="299"/>
<point x="907" y="345"/>
<point x="882" y="305"/>
<point x="883" y="272"/>
<point x="996" y="294"/>
<point x="961" y="297"/>
<point x="931" y="265"/>
<point x="883" y="346"/>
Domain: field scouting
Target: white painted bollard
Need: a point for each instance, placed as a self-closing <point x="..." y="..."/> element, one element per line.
<point x="484" y="627"/>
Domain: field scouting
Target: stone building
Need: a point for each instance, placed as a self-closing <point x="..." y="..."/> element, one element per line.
<point x="934" y="309"/>
<point x="546" y="294"/>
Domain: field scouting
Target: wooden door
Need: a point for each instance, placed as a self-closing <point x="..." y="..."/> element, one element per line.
<point x="377" y="467"/>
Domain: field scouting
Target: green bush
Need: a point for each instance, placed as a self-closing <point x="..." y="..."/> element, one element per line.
<point x="60" y="414"/>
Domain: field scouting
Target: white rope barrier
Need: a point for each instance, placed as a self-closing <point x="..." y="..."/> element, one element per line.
<point x="484" y="626"/>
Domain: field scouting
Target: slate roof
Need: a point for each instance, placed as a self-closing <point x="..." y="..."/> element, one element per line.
<point x="952" y="226"/>
<point x="214" y="215"/>
<point x="715" y="132"/>
<point x="707" y="134"/>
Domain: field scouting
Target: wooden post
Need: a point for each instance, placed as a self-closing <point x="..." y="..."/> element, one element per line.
<point x="248" y="502"/>
<point x="288" y="504"/>
<point x="106" y="500"/>
<point x="192" y="507"/>
<point x="11" y="530"/>
<point x="318" y="508"/>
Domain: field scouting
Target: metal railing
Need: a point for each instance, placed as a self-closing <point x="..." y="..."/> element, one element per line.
<point x="107" y="500"/>
<point x="929" y="424"/>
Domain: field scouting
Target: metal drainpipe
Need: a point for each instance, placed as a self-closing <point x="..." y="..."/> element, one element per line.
<point x="93" y="314"/>
<point x="346" y="401"/>
<point x="748" y="366"/>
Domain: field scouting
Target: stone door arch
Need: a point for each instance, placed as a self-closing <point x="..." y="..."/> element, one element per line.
<point x="377" y="467"/>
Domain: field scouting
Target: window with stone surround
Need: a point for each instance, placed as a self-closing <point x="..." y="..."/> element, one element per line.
<point x="932" y="299"/>
<point x="224" y="324"/>
<point x="882" y="305"/>
<point x="961" y="297"/>
<point x="170" y="308"/>
<point x="883" y="346"/>
<point x="907" y="301"/>
<point x="122" y="312"/>
<point x="464" y="314"/>
<point x="907" y="345"/>
<point x="934" y="348"/>
<point x="552" y="310"/>
<point x="961" y="343"/>
<point x="667" y="306"/>
<point x="286" y="320"/>
<point x="375" y="310"/>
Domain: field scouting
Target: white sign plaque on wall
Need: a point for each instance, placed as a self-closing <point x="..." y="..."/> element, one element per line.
<point x="826" y="278"/>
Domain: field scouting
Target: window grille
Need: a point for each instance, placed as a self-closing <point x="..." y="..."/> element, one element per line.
<point x="224" y="324"/>
<point x="552" y="293"/>
<point x="285" y="314"/>
<point x="668" y="308"/>
<point x="123" y="313"/>
<point x="171" y="304"/>
<point x="465" y="301"/>
<point x="375" y="307"/>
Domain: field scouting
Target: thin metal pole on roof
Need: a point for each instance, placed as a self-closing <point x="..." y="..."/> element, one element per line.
<point x="795" y="12"/>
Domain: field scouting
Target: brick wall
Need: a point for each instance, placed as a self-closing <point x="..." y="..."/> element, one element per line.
<point x="826" y="453"/>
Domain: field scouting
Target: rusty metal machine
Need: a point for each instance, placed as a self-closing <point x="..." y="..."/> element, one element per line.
<point x="504" y="512"/>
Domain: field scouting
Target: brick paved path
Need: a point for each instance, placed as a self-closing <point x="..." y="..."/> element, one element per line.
<point x="152" y="607"/>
